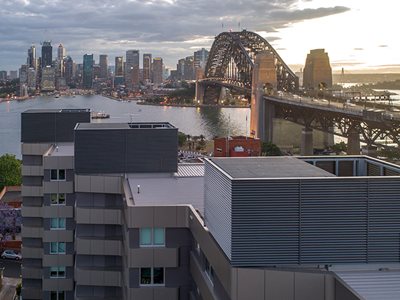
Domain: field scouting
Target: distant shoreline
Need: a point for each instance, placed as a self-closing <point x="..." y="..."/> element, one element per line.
<point x="192" y="105"/>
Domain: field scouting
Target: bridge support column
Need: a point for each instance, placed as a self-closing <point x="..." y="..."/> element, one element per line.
<point x="329" y="138"/>
<point x="199" y="96"/>
<point x="353" y="142"/>
<point x="307" y="142"/>
<point x="264" y="72"/>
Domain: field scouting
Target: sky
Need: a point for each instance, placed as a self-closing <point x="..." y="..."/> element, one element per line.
<point x="359" y="35"/>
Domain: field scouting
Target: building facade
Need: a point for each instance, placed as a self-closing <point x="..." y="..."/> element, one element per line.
<point x="157" y="71"/>
<point x="147" y="74"/>
<point x="47" y="54"/>
<point x="87" y="78"/>
<point x="48" y="79"/>
<point x="132" y="69"/>
<point x="317" y="70"/>
<point x="139" y="225"/>
<point x="119" y="66"/>
<point x="103" y="62"/>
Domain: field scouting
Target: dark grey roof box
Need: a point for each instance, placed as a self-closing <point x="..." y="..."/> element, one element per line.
<point x="268" y="167"/>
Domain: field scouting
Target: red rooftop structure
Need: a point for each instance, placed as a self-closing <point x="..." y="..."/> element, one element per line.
<point x="237" y="146"/>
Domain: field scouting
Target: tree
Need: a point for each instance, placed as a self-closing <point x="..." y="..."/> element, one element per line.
<point x="10" y="171"/>
<point x="181" y="139"/>
<point x="10" y="220"/>
<point x="270" y="149"/>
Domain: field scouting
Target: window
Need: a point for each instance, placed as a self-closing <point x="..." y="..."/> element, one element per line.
<point x="151" y="276"/>
<point x="57" y="295"/>
<point x="57" y="248"/>
<point x="57" y="223"/>
<point x="56" y="175"/>
<point x="209" y="270"/>
<point x="150" y="237"/>
<point x="57" y="199"/>
<point x="57" y="272"/>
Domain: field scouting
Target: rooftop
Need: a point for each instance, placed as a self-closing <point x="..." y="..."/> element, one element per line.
<point x="62" y="149"/>
<point x="268" y="167"/>
<point x="142" y="125"/>
<point x="36" y="111"/>
<point x="186" y="187"/>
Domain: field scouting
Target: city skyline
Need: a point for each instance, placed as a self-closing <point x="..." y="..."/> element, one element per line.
<point x="291" y="27"/>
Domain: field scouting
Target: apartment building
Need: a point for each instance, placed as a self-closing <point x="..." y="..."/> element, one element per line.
<point x="109" y="213"/>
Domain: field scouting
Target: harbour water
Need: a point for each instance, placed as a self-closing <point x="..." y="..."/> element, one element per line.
<point x="209" y="121"/>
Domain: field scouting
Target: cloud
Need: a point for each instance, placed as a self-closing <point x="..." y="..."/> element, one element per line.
<point x="358" y="49"/>
<point x="167" y="28"/>
<point x="383" y="46"/>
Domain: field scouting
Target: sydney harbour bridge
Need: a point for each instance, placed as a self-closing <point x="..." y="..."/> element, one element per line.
<point x="246" y="63"/>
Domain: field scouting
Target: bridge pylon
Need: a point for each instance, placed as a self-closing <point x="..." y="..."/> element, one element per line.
<point x="200" y="88"/>
<point x="264" y="80"/>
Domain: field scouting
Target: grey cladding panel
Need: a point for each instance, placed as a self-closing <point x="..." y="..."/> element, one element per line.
<point x="126" y="150"/>
<point x="51" y="127"/>
<point x="265" y="222"/>
<point x="333" y="221"/>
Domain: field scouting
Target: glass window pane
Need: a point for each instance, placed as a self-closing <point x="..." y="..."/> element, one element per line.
<point x="54" y="223"/>
<point x="145" y="275"/>
<point x="61" y="272"/>
<point x="61" y="295"/>
<point x="159" y="238"/>
<point x="158" y="277"/>
<point x="145" y="236"/>
<point x="62" y="223"/>
<point x="53" y="296"/>
<point x="53" y="272"/>
<point x="53" y="199"/>
<point x="61" y="174"/>
<point x="61" y="198"/>
<point x="53" y="175"/>
<point x="61" y="247"/>
<point x="53" y="247"/>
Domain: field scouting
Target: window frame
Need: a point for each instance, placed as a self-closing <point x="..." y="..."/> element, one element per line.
<point x="57" y="294"/>
<point x="152" y="243"/>
<point x="58" y="177"/>
<point x="151" y="277"/>
<point x="58" y="271"/>
<point x="57" y="245"/>
<point x="58" y="224"/>
<point x="57" y="199"/>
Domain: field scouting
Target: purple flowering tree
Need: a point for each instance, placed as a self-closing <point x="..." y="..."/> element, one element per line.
<point x="10" y="222"/>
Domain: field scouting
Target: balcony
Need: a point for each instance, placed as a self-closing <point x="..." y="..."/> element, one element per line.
<point x="30" y="252"/>
<point x="32" y="293"/>
<point x="89" y="215"/>
<point x="31" y="232"/>
<point x="31" y="191"/>
<point x="32" y="170"/>
<point x="98" y="246"/>
<point x="31" y="211"/>
<point x="31" y="273"/>
<point x="98" y="276"/>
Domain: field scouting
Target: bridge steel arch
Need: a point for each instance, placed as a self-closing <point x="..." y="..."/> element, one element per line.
<point x="231" y="60"/>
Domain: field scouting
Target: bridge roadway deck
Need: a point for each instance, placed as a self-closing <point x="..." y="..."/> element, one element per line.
<point x="349" y="109"/>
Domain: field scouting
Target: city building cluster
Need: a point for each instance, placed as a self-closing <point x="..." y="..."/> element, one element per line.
<point x="47" y="74"/>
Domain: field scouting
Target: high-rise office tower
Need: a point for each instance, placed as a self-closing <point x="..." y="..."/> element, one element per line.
<point x="180" y="69"/>
<point x="23" y="74"/>
<point x="103" y="66"/>
<point x="87" y="76"/>
<point x="47" y="54"/>
<point x="200" y="58"/>
<point x="48" y="79"/>
<point x="31" y="62"/>
<point x="189" y="68"/>
<point x="3" y="75"/>
<point x="132" y="69"/>
<point x="317" y="71"/>
<point x="157" y="71"/>
<point x="31" y="78"/>
<point x="147" y="67"/>
<point x="69" y="69"/>
<point x="61" y="52"/>
<point x="119" y="66"/>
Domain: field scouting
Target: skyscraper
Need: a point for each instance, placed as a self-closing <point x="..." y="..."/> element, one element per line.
<point x="147" y="67"/>
<point x="31" y="62"/>
<point x="132" y="69"/>
<point x="119" y="66"/>
<point x="69" y="69"/>
<point x="157" y="71"/>
<point x="180" y="69"/>
<point x="47" y="54"/>
<point x="189" y="68"/>
<point x="61" y="52"/>
<point x="200" y="58"/>
<point x="103" y="66"/>
<point x="87" y="81"/>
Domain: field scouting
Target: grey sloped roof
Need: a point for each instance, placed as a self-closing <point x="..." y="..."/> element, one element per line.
<point x="372" y="284"/>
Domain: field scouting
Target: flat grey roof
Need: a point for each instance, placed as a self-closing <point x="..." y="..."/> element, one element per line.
<point x="186" y="187"/>
<point x="72" y="110"/>
<point x="62" y="149"/>
<point x="268" y="167"/>
<point x="142" y="125"/>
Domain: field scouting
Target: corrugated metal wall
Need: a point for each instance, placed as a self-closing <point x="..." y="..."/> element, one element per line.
<point x="315" y="221"/>
<point x="217" y="207"/>
<point x="126" y="150"/>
